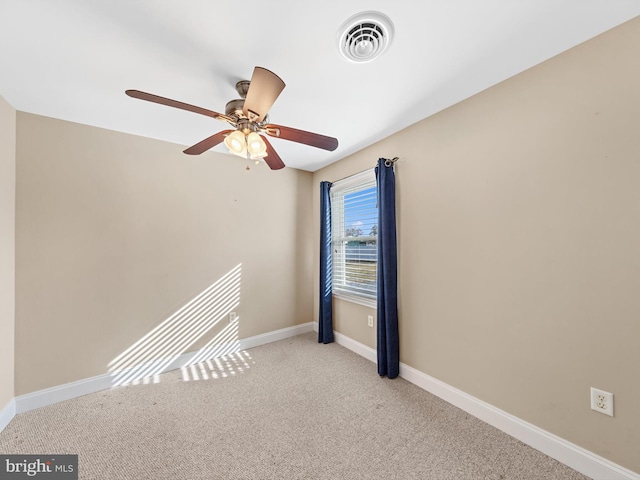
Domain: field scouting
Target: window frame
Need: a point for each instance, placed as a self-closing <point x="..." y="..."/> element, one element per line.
<point x="358" y="182"/>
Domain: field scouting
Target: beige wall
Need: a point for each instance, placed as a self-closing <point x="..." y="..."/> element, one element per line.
<point x="519" y="260"/>
<point x="115" y="233"/>
<point x="7" y="249"/>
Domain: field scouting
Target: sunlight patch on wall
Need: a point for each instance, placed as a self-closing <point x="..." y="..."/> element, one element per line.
<point x="158" y="349"/>
<point x="225" y="342"/>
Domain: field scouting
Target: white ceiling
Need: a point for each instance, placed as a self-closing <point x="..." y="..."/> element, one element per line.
<point x="73" y="60"/>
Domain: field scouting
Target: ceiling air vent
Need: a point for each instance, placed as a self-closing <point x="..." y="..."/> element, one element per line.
<point x="365" y="36"/>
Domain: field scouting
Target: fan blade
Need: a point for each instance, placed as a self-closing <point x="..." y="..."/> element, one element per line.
<point x="272" y="159"/>
<point x="174" y="103"/>
<point x="300" y="136"/>
<point x="207" y="143"/>
<point x="263" y="91"/>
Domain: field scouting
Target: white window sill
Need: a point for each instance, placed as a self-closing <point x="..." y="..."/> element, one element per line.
<point x="367" y="302"/>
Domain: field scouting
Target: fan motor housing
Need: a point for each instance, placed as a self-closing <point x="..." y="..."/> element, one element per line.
<point x="234" y="107"/>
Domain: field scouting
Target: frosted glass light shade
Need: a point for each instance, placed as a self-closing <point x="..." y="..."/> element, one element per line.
<point x="256" y="146"/>
<point x="236" y="143"/>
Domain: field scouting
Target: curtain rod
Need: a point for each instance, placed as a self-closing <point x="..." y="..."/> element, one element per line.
<point x="387" y="163"/>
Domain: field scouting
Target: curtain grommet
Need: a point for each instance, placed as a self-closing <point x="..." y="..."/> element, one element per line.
<point x="390" y="162"/>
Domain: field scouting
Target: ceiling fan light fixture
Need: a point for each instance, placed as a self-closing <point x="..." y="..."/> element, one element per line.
<point x="365" y="36"/>
<point x="248" y="117"/>
<point x="236" y="143"/>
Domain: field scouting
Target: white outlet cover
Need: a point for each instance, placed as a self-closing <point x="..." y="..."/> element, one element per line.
<point x="602" y="401"/>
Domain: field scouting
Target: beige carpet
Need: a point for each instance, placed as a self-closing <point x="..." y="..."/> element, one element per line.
<point x="293" y="409"/>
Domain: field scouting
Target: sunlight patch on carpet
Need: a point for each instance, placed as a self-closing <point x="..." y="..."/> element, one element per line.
<point x="228" y="365"/>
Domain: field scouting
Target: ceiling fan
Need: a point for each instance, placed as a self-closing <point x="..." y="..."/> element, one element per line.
<point x="248" y="117"/>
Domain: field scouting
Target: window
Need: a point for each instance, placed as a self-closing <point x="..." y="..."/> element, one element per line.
<point x="354" y="239"/>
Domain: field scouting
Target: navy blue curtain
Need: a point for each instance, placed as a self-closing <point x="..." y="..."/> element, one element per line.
<point x="325" y="320"/>
<point x="388" y="341"/>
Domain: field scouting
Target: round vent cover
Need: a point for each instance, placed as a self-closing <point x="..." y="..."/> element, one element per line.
<point x="365" y="36"/>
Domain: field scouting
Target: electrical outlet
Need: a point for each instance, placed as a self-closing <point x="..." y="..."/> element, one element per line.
<point x="602" y="401"/>
<point x="370" y="321"/>
<point x="232" y="317"/>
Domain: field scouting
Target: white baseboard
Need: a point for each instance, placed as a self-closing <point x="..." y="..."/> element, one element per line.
<point x="578" y="458"/>
<point x="59" y="393"/>
<point x="275" y="335"/>
<point x="67" y="391"/>
<point x="360" y="348"/>
<point x="7" y="414"/>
